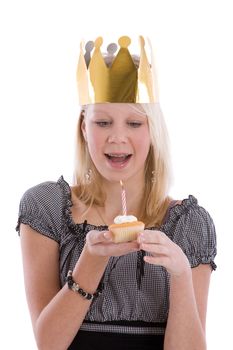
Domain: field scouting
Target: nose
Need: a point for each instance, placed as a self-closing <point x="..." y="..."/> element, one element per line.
<point x="117" y="135"/>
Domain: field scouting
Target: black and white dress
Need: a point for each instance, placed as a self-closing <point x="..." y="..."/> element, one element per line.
<point x="132" y="311"/>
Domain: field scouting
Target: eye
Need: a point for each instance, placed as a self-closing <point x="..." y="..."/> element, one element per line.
<point x="134" y="124"/>
<point x="103" y="123"/>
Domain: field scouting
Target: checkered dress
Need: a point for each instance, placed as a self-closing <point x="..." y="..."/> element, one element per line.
<point x="135" y="298"/>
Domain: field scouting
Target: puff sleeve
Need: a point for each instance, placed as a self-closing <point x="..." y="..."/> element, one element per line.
<point x="40" y="208"/>
<point x="194" y="231"/>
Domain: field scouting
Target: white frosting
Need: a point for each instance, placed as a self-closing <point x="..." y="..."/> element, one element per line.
<point x="124" y="218"/>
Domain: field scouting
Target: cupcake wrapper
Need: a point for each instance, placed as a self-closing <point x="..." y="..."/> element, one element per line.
<point x="126" y="234"/>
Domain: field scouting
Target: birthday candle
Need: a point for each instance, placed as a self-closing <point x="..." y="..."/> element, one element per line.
<point x="123" y="199"/>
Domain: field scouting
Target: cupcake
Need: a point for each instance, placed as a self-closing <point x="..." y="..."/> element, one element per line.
<point x="126" y="228"/>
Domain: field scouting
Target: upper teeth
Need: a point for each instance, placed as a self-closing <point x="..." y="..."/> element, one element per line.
<point x="117" y="155"/>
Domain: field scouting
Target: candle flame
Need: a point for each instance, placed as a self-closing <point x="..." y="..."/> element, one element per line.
<point x="121" y="182"/>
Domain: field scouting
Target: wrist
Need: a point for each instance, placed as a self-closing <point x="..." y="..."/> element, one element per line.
<point x="75" y="287"/>
<point x="89" y="270"/>
<point x="95" y="259"/>
<point x="184" y="275"/>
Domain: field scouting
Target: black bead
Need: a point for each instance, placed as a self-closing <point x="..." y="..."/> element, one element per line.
<point x="75" y="287"/>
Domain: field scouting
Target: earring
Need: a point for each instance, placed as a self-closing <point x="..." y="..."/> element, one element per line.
<point x="153" y="177"/>
<point x="88" y="177"/>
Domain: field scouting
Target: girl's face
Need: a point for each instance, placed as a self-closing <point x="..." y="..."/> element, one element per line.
<point x="118" y="139"/>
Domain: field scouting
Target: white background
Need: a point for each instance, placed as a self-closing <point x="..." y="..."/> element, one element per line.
<point x="38" y="112"/>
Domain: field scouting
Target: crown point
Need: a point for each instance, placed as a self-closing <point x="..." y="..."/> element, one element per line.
<point x="98" y="42"/>
<point x="89" y="46"/>
<point x="112" y="48"/>
<point x="124" y="42"/>
<point x="142" y="40"/>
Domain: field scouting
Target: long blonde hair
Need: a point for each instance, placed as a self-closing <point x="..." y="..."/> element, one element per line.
<point x="158" y="172"/>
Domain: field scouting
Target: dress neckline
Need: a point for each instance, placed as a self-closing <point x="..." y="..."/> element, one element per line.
<point x="175" y="210"/>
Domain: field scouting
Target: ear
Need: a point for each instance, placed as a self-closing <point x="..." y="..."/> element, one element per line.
<point x="83" y="129"/>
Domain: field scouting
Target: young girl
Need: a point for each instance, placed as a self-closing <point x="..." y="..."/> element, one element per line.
<point x="86" y="292"/>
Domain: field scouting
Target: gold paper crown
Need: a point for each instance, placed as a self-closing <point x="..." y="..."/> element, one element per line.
<point x="121" y="81"/>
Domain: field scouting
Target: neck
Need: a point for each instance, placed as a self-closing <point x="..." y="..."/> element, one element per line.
<point x="134" y="193"/>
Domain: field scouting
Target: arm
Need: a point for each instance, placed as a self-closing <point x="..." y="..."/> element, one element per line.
<point x="188" y="292"/>
<point x="187" y="312"/>
<point x="56" y="313"/>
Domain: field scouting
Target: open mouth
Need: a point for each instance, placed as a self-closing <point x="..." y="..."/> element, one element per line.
<point x="118" y="158"/>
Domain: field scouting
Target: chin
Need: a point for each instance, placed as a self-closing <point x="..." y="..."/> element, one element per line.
<point x="116" y="177"/>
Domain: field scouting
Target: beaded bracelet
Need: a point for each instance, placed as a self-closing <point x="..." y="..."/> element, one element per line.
<point x="76" y="288"/>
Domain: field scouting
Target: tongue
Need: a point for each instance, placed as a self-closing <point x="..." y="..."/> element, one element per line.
<point x="118" y="159"/>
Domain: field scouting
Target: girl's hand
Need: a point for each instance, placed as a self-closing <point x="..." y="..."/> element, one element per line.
<point x="163" y="252"/>
<point x="100" y="243"/>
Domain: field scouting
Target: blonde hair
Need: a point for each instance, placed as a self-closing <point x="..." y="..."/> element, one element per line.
<point x="156" y="200"/>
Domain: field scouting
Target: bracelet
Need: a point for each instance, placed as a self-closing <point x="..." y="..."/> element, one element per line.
<point x="76" y="288"/>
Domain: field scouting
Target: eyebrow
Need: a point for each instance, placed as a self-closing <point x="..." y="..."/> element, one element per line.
<point x="130" y="114"/>
<point x="100" y="111"/>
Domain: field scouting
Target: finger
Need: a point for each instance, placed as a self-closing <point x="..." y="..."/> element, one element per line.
<point x="155" y="248"/>
<point x="95" y="237"/>
<point x="151" y="236"/>
<point x="125" y="248"/>
<point x="116" y="249"/>
<point x="157" y="260"/>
